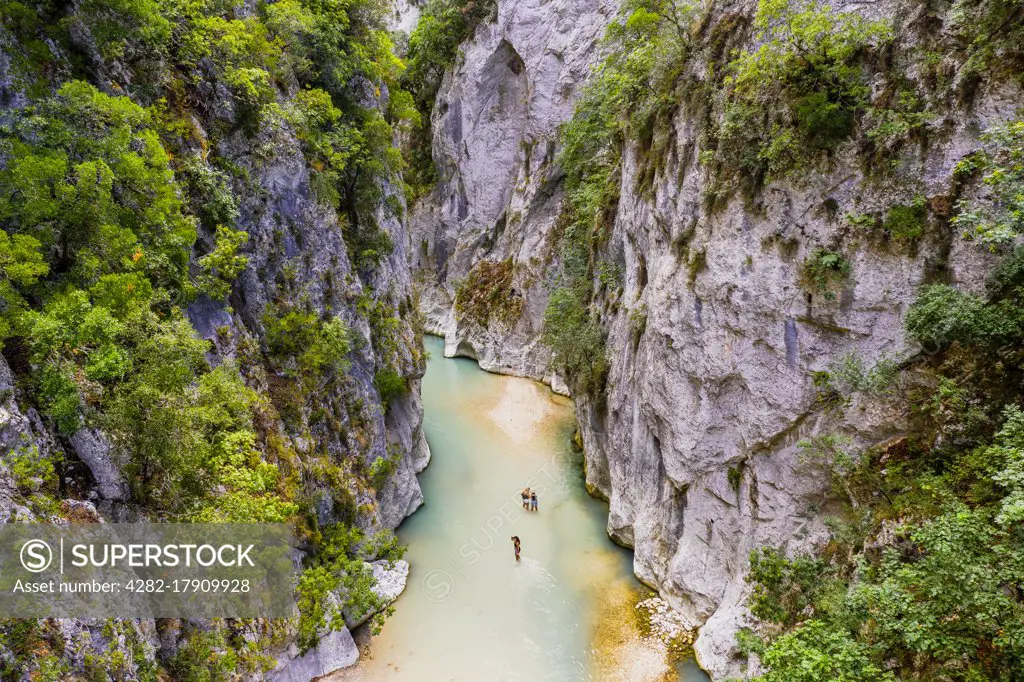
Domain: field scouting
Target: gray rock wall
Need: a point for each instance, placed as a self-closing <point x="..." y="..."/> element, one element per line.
<point x="495" y="125"/>
<point x="297" y="251"/>
<point x="694" y="444"/>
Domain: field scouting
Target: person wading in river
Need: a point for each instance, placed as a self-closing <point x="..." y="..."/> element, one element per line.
<point x="533" y="501"/>
<point x="515" y="544"/>
<point x="526" y="498"/>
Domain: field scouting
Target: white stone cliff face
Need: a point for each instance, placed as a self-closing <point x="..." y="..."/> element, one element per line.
<point x="495" y="124"/>
<point x="694" y="444"/>
<point x="404" y="15"/>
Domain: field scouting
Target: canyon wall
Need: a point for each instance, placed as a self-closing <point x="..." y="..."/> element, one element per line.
<point x="299" y="258"/>
<point x="712" y="341"/>
<point x="496" y="121"/>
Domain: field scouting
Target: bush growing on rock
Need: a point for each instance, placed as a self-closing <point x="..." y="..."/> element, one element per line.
<point x="823" y="272"/>
<point x="802" y="88"/>
<point x="917" y="580"/>
<point x="390" y="384"/>
<point x="339" y="585"/>
<point x="998" y="217"/>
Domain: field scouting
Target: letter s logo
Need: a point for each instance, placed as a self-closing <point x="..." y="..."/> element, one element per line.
<point x="36" y="556"/>
<point x="438" y="586"/>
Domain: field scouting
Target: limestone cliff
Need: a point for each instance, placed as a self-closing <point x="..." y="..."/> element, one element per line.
<point x="244" y="166"/>
<point x="712" y="340"/>
<point x="495" y="126"/>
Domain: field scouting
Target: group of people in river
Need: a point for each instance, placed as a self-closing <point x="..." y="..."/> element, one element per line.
<point x="529" y="499"/>
<point x="529" y="504"/>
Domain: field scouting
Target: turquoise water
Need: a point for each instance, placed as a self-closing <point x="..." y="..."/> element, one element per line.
<point x="470" y="611"/>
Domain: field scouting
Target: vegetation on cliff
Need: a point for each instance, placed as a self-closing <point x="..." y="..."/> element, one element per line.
<point x="121" y="206"/>
<point x="487" y="293"/>
<point x="922" y="579"/>
<point x="923" y="573"/>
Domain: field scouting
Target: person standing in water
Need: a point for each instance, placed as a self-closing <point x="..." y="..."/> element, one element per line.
<point x="533" y="501"/>
<point x="526" y="498"/>
<point x="515" y="545"/>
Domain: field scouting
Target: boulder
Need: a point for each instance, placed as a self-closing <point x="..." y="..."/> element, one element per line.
<point x="389" y="578"/>
<point x="335" y="651"/>
<point x="95" y="451"/>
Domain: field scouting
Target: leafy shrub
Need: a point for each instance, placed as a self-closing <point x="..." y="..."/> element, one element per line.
<point x="998" y="216"/>
<point x="801" y="90"/>
<point x="118" y="26"/>
<point x="906" y="222"/>
<point x="889" y="128"/>
<point x="817" y="652"/>
<point x="576" y="341"/>
<point x="390" y="385"/>
<point x="385" y="327"/>
<point x="31" y="471"/>
<point x="220" y="267"/>
<point x="824" y="271"/>
<point x="340" y="582"/>
<point x="22" y="265"/>
<point x="942" y="315"/>
<point x="783" y="589"/>
<point x="850" y="375"/>
<point x="318" y="347"/>
<point x="637" y="323"/>
<point x="86" y="148"/>
<point x="205" y="656"/>
<point x="210" y="192"/>
<point x="37" y="647"/>
<point x="35" y="478"/>
<point x="383" y="467"/>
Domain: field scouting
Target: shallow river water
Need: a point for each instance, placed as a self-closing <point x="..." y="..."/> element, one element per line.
<point x="470" y="611"/>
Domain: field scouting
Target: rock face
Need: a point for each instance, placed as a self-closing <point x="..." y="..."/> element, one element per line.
<point x="712" y="341"/>
<point x="92" y="448"/>
<point x="335" y="651"/>
<point x="308" y="257"/>
<point x="495" y="123"/>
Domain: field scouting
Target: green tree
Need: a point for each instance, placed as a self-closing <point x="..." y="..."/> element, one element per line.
<point x="802" y="88"/>
<point x="816" y="652"/>
<point x="998" y="216"/>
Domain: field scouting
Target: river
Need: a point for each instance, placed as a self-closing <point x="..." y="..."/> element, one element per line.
<point x="470" y="611"/>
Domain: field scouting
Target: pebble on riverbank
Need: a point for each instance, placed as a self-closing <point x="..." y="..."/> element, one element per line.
<point x="656" y="620"/>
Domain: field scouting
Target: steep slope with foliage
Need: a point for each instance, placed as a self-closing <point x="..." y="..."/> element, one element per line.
<point x="922" y="577"/>
<point x="207" y="313"/>
<point x="757" y="254"/>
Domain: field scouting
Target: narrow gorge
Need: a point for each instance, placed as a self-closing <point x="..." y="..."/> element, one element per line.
<point x="768" y="252"/>
<point x="751" y="196"/>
